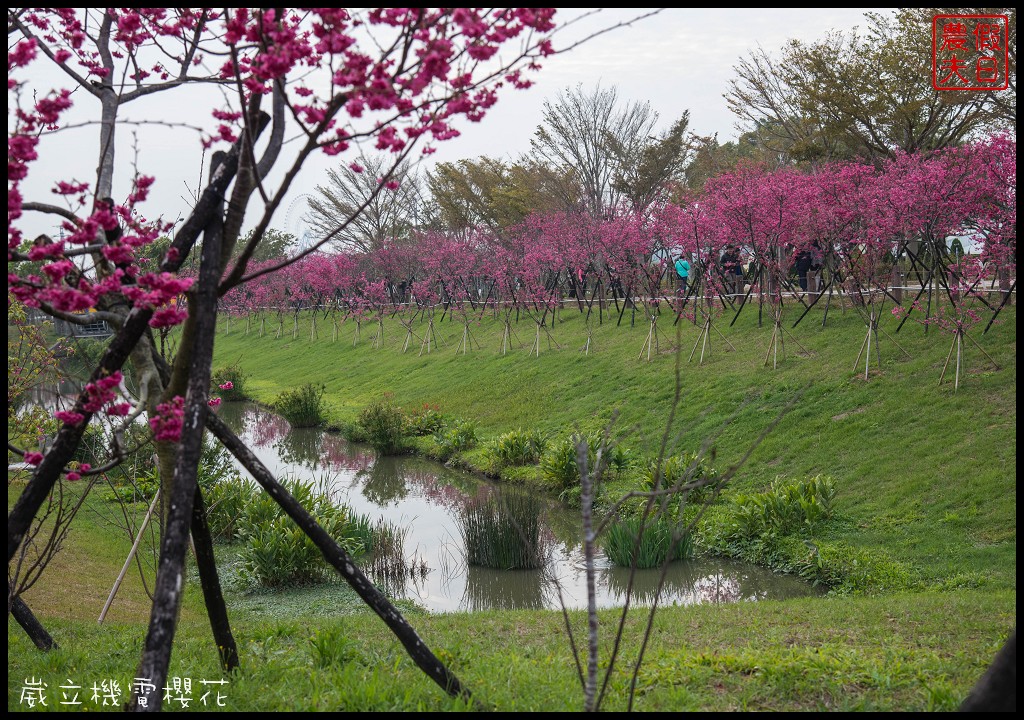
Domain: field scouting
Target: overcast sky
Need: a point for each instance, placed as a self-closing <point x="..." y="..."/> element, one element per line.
<point x="677" y="60"/>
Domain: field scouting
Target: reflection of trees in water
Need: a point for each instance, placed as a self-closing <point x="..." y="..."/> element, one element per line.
<point x="263" y="427"/>
<point x="383" y="482"/>
<point x="301" y="447"/>
<point x="439" y="488"/>
<point x="488" y="589"/>
<point x="339" y="454"/>
<point x="694" y="582"/>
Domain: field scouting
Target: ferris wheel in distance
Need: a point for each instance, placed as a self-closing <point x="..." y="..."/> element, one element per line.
<point x="295" y="221"/>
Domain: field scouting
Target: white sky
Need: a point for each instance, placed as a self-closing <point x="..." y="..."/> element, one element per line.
<point x="679" y="59"/>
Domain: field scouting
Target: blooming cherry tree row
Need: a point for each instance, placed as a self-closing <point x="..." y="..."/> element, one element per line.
<point x="856" y="220"/>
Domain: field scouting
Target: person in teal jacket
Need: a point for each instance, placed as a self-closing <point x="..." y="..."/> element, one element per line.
<point x="683" y="271"/>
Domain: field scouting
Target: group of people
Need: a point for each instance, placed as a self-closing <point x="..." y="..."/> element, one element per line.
<point x="732" y="266"/>
<point x="807" y="262"/>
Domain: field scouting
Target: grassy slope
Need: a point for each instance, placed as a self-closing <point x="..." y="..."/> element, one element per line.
<point x="925" y="474"/>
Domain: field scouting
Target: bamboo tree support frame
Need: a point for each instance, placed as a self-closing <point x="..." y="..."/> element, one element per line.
<point x="128" y="560"/>
<point x="430" y="337"/>
<point x="506" y="336"/>
<point x="957" y="344"/>
<point x="467" y="339"/>
<point x="652" y="339"/>
<point x="378" y="337"/>
<point x="590" y="335"/>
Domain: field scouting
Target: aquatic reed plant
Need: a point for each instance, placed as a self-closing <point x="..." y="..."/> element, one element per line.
<point x="656" y="543"/>
<point x="503" y="531"/>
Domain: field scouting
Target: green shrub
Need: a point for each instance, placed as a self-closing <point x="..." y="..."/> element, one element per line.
<point x="559" y="463"/>
<point x="518" y="447"/>
<point x="277" y="552"/>
<point x="226" y="502"/>
<point x="231" y="374"/>
<point x="459" y="436"/>
<point x="425" y="421"/>
<point x="655" y="546"/>
<point x="503" y="531"/>
<point x="784" y="508"/>
<point x="680" y="471"/>
<point x="383" y="424"/>
<point x="331" y="646"/>
<point x="302" y="407"/>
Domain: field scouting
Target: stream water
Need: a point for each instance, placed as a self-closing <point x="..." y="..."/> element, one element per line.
<point x="423" y="496"/>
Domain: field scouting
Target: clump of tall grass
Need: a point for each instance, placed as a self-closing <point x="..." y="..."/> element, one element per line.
<point x="503" y="531"/>
<point x="625" y="545"/>
<point x="386" y="564"/>
<point x="302" y="407"/>
<point x="383" y="425"/>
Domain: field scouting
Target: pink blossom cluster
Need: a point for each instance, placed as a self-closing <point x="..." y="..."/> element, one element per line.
<point x="166" y="424"/>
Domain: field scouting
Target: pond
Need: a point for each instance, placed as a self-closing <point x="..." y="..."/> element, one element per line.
<point x="422" y="496"/>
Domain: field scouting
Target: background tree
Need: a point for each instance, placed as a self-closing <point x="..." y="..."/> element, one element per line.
<point x="492" y="193"/>
<point x="275" y="245"/>
<point x="856" y="95"/>
<point x="355" y="214"/>
<point x="604" y="151"/>
<point x="647" y="171"/>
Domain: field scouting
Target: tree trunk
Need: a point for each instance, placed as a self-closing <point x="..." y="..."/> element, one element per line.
<point x="996" y="691"/>
<point x="31" y="625"/>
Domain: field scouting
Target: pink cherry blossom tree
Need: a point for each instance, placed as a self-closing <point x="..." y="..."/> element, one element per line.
<point x="393" y="78"/>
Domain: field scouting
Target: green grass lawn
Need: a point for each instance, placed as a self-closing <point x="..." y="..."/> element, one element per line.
<point x="925" y="474"/>
<point x="926" y="479"/>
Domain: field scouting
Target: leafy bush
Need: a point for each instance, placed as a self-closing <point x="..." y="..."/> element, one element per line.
<point x="558" y="464"/>
<point x="234" y="375"/>
<point x="425" y="421"/>
<point x="459" y="436"/>
<point x="278" y="553"/>
<point x="680" y="471"/>
<point x="655" y="546"/>
<point x="383" y="424"/>
<point x="226" y="502"/>
<point x="332" y="646"/>
<point x="302" y="407"/>
<point x="784" y="508"/>
<point x="503" y="531"/>
<point x="518" y="447"/>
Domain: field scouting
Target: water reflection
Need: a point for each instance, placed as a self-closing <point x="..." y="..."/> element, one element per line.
<point x="694" y="581"/>
<point x="488" y="589"/>
<point x="423" y="498"/>
<point x="383" y="483"/>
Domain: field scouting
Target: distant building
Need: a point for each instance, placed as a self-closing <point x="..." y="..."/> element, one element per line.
<point x="98" y="329"/>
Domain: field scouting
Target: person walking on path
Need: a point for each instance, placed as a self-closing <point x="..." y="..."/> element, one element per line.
<point x="683" y="271"/>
